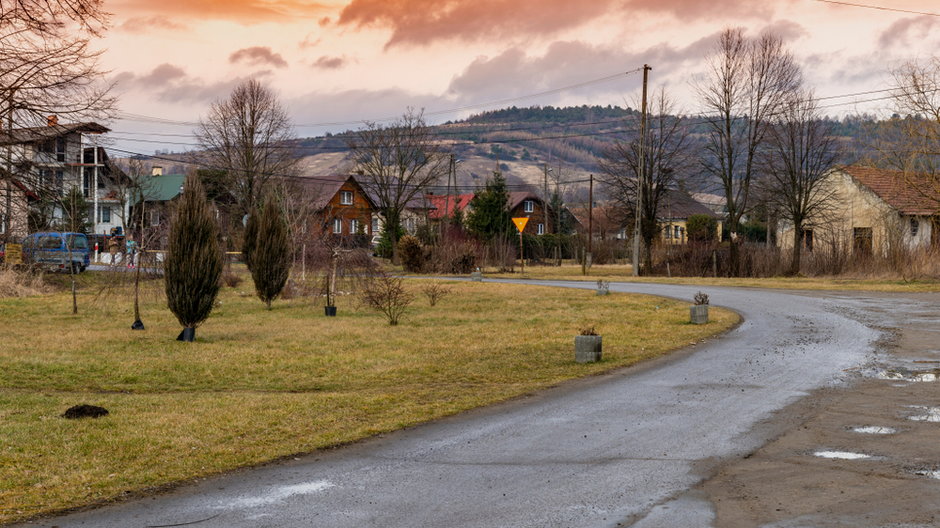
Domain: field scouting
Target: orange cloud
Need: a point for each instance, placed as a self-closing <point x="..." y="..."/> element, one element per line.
<point x="424" y="21"/>
<point x="242" y="11"/>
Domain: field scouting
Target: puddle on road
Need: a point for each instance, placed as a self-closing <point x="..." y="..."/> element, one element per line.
<point x="930" y="414"/>
<point x="841" y="455"/>
<point x="874" y="430"/>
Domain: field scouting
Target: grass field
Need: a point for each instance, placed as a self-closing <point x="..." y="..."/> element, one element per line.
<point x="624" y="272"/>
<point x="259" y="385"/>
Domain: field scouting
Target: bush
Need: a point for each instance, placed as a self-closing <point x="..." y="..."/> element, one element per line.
<point x="412" y="254"/>
<point x="15" y="283"/>
<point x="387" y="295"/>
<point x="435" y="291"/>
<point x="701" y="228"/>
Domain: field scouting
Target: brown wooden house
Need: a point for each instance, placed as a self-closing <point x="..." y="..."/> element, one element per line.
<point x="342" y="206"/>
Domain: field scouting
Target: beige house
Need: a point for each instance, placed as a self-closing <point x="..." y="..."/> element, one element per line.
<point x="872" y="211"/>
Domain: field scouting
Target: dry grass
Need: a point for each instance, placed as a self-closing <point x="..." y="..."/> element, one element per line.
<point x="15" y="283"/>
<point x="259" y="384"/>
<point x="624" y="272"/>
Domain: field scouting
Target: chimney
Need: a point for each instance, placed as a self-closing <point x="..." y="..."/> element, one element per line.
<point x="157" y="171"/>
<point x="52" y="120"/>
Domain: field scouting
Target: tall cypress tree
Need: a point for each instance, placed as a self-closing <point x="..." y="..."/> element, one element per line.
<point x="193" y="266"/>
<point x="270" y="257"/>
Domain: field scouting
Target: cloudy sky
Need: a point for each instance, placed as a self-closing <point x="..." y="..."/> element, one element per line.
<point x="338" y="62"/>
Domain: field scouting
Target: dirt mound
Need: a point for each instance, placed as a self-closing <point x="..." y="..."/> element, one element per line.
<point x="84" y="411"/>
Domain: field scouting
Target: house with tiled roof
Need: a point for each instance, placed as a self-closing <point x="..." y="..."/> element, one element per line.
<point x="873" y="210"/>
<point x="521" y="204"/>
<point x="343" y="207"/>
<point x="675" y="209"/>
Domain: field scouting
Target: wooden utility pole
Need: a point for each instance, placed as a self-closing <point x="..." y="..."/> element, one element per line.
<point x="445" y="219"/>
<point x="641" y="176"/>
<point x="590" y="241"/>
<point x="545" y="170"/>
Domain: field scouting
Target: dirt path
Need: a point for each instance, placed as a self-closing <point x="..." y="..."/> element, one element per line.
<point x="786" y="484"/>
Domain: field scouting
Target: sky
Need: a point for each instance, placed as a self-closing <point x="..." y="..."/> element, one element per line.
<point x="337" y="63"/>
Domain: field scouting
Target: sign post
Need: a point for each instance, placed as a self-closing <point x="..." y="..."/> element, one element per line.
<point x="520" y="225"/>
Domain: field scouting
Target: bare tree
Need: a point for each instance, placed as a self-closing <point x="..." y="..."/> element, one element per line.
<point x="801" y="152"/>
<point x="747" y="84"/>
<point x="397" y="163"/>
<point x="667" y="158"/>
<point x="910" y="141"/>
<point x="47" y="67"/>
<point x="247" y="136"/>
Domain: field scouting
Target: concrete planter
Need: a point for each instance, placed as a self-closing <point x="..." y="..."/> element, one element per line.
<point x="476" y="276"/>
<point x="698" y="313"/>
<point x="587" y="348"/>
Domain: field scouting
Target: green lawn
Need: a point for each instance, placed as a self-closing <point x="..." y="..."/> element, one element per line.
<point x="258" y="384"/>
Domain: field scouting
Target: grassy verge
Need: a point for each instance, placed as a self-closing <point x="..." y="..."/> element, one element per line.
<point x="258" y="384"/>
<point x="621" y="272"/>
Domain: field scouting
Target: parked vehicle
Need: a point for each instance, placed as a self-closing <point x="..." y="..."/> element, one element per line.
<point x="57" y="251"/>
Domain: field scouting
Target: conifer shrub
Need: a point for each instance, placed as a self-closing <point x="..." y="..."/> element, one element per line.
<point x="271" y="255"/>
<point x="194" y="260"/>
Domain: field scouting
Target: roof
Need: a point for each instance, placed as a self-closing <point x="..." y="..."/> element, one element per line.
<point x="43" y="133"/>
<point x="516" y="198"/>
<point x="164" y="188"/>
<point x="910" y="194"/>
<point x="676" y="204"/>
<point x="443" y="205"/>
<point x="324" y="188"/>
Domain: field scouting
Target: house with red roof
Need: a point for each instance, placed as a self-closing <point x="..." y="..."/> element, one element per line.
<point x="522" y="204"/>
<point x="873" y="210"/>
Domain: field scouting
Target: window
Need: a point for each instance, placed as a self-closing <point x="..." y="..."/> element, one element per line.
<point x="677" y="232"/>
<point x="60" y="149"/>
<point x="3" y="223"/>
<point x="375" y="225"/>
<point x="667" y="232"/>
<point x="528" y="206"/>
<point x="86" y="184"/>
<point x="104" y="214"/>
<point x="59" y="180"/>
<point x="353" y="227"/>
<point x="410" y="225"/>
<point x="915" y="226"/>
<point x="154" y="218"/>
<point x="541" y="230"/>
<point x="808" y="239"/>
<point x="346" y="198"/>
<point x="337" y="226"/>
<point x="78" y="242"/>
<point x="862" y="243"/>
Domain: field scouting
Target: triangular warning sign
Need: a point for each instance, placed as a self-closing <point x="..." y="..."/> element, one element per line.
<point x="520" y="223"/>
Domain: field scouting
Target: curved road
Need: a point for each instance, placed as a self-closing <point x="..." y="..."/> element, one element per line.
<point x="618" y="450"/>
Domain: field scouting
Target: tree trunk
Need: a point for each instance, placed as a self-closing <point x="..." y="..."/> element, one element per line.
<point x="797" y="249"/>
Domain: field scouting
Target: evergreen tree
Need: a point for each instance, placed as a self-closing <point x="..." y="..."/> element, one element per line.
<point x="489" y="215"/>
<point x="193" y="266"/>
<point x="270" y="257"/>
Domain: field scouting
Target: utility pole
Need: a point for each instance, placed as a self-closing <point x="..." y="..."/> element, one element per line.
<point x="641" y="176"/>
<point x="444" y="218"/>
<point x="590" y="240"/>
<point x="545" y="170"/>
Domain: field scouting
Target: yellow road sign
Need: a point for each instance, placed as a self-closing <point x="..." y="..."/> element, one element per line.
<point x="520" y="223"/>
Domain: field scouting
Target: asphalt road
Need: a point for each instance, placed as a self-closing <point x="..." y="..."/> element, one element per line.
<point x="617" y="450"/>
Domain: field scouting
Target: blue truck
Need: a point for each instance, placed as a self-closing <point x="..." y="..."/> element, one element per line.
<point x="57" y="251"/>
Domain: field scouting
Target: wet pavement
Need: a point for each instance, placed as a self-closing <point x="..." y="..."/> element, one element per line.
<point x="623" y="449"/>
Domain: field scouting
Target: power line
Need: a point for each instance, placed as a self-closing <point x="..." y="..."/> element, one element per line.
<point x="879" y="8"/>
